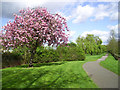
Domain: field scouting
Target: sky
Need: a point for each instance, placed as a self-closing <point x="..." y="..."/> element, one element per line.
<point x="83" y="17"/>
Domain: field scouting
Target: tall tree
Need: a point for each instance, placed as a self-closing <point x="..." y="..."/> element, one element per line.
<point x="33" y="28"/>
<point x="90" y="44"/>
<point x="112" y="43"/>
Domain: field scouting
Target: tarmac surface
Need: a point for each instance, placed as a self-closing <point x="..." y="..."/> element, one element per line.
<point x="101" y="76"/>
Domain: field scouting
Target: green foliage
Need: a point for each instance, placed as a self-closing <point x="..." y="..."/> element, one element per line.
<point x="91" y="44"/>
<point x="72" y="44"/>
<point x="24" y="52"/>
<point x="46" y="55"/>
<point x="19" y="55"/>
<point x="112" y="46"/>
<point x="62" y="53"/>
<point x="11" y="59"/>
<point x="71" y="53"/>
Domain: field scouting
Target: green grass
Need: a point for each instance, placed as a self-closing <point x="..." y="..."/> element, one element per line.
<point x="67" y="74"/>
<point x="111" y="64"/>
<point x="93" y="57"/>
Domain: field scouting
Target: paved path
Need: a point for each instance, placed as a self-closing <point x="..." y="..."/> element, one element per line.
<point x="101" y="76"/>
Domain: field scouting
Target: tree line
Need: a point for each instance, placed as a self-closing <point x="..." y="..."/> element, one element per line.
<point x="113" y="43"/>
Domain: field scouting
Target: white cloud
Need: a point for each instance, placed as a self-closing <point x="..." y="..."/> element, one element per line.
<point x="102" y="34"/>
<point x="100" y="12"/>
<point x="109" y="10"/>
<point x="82" y="13"/>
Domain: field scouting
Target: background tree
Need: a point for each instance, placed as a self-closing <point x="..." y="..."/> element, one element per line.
<point x="71" y="44"/>
<point x="80" y="42"/>
<point x="90" y="44"/>
<point x="112" y="46"/>
<point x="33" y="28"/>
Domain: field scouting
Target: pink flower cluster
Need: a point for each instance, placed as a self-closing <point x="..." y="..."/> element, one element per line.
<point x="35" y="25"/>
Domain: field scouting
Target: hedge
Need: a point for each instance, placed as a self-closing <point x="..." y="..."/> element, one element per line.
<point x="43" y="55"/>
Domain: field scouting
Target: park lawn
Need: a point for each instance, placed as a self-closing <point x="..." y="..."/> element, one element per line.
<point x="93" y="57"/>
<point x="111" y="64"/>
<point x="67" y="74"/>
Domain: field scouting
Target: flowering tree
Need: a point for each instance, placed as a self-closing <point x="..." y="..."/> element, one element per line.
<point x="33" y="28"/>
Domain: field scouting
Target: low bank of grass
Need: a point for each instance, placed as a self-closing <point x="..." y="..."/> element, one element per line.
<point x="111" y="64"/>
<point x="93" y="57"/>
<point x="67" y="74"/>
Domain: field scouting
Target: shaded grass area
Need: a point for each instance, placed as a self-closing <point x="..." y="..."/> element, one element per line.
<point x="42" y="64"/>
<point x="67" y="74"/>
<point x="111" y="64"/>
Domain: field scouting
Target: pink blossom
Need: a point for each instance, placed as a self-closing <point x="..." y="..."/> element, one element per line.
<point x="35" y="24"/>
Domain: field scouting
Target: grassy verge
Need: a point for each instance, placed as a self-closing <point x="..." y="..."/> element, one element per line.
<point x="111" y="64"/>
<point x="68" y="74"/>
<point x="94" y="57"/>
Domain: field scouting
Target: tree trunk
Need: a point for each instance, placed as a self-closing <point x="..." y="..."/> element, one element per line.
<point x="33" y="51"/>
<point x="31" y="58"/>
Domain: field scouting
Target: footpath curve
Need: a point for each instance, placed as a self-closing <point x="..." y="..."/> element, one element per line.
<point x="101" y="76"/>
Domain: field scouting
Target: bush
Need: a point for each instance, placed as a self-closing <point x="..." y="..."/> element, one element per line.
<point x="21" y="55"/>
<point x="71" y="53"/>
<point x="116" y="56"/>
<point x="45" y="55"/>
<point x="24" y="52"/>
<point x="11" y="59"/>
<point x="62" y="53"/>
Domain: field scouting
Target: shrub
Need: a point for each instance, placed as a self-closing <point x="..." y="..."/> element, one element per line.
<point x="21" y="55"/>
<point x="11" y="59"/>
<point x="76" y="53"/>
<point x="62" y="53"/>
<point x="46" y="55"/>
<point x="71" y="53"/>
<point x="24" y="52"/>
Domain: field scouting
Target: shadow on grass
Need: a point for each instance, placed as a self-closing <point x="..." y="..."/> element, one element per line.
<point x="24" y="79"/>
<point x="37" y="77"/>
<point x="42" y="64"/>
<point x="42" y="83"/>
<point x="12" y="80"/>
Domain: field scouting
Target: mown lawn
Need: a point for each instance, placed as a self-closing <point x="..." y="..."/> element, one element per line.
<point x="93" y="57"/>
<point x="111" y="64"/>
<point x="67" y="74"/>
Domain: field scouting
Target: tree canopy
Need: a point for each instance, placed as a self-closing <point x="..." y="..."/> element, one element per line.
<point x="90" y="44"/>
<point x="112" y="46"/>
